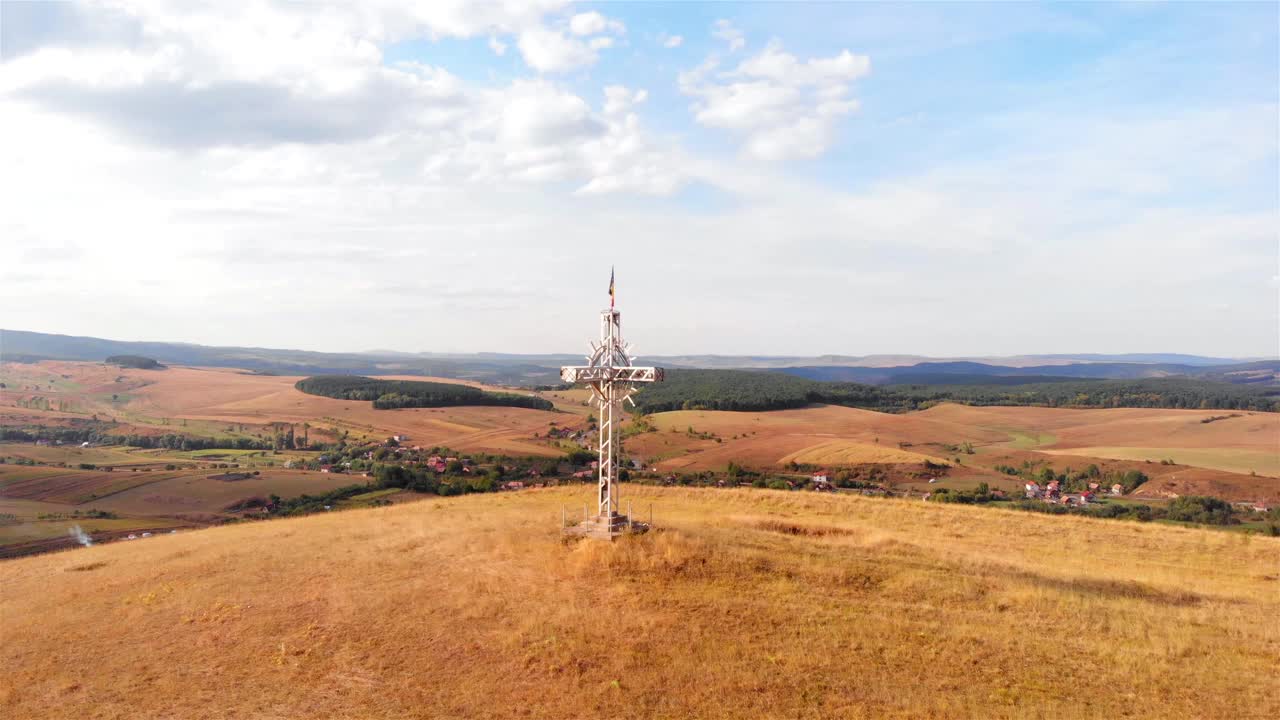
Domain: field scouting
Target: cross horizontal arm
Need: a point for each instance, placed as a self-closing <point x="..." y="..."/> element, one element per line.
<point x="588" y="374"/>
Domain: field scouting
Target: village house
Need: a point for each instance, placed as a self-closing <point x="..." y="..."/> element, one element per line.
<point x="820" y="477"/>
<point x="1033" y="490"/>
<point x="1117" y="489"/>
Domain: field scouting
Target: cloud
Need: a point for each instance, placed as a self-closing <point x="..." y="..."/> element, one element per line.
<point x="670" y="41"/>
<point x="165" y="108"/>
<point x="619" y="99"/>
<point x="781" y="107"/>
<point x="551" y="51"/>
<point x="204" y="82"/>
<point x="593" y="23"/>
<point x="497" y="46"/>
<point x="725" y="30"/>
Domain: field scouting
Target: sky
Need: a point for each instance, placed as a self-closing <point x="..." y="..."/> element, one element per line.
<point x="943" y="179"/>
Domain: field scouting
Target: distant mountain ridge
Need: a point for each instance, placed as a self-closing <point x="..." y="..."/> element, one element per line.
<point x="543" y="369"/>
<point x="970" y="373"/>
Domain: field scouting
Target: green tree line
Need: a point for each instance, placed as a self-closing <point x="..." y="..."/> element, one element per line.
<point x="754" y="391"/>
<point x="388" y="394"/>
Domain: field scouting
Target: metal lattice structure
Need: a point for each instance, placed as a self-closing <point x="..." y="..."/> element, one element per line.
<point x="612" y="379"/>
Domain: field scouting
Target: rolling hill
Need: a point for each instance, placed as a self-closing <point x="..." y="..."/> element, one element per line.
<point x="745" y="604"/>
<point x="974" y="373"/>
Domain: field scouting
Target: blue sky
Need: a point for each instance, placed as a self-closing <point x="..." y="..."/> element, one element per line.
<point x="773" y="178"/>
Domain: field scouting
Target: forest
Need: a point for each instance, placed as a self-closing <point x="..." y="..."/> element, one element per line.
<point x="754" y="391"/>
<point x="138" y="362"/>
<point x="390" y="394"/>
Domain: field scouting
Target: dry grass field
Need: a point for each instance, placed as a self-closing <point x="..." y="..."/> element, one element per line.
<point x="1218" y="458"/>
<point x="1263" y="462"/>
<point x="846" y="452"/>
<point x="1236" y="456"/>
<point x="745" y="604"/>
<point x="205" y="400"/>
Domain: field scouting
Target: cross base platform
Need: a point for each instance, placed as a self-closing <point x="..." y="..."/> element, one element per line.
<point x="607" y="527"/>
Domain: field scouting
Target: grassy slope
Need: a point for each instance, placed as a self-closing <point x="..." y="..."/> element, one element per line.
<point x="473" y="607"/>
<point x="1262" y="462"/>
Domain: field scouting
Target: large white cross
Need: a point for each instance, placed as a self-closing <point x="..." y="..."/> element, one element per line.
<point x="611" y="377"/>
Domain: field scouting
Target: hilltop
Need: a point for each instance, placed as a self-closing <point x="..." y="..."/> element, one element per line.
<point x="746" y="604"/>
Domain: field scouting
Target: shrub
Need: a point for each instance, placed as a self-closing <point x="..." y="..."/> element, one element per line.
<point x="1200" y="509"/>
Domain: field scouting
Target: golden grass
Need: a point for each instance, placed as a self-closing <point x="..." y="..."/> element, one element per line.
<point x="846" y="452"/>
<point x="746" y="604"/>
<point x="209" y="399"/>
<point x="1263" y="462"/>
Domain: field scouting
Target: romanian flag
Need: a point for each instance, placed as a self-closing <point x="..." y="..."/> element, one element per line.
<point x="611" y="296"/>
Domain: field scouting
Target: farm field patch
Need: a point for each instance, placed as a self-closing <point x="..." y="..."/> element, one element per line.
<point x="1229" y="459"/>
<point x="73" y="487"/>
<point x="62" y="528"/>
<point x="845" y="452"/>
<point x="204" y="494"/>
<point x="72" y="454"/>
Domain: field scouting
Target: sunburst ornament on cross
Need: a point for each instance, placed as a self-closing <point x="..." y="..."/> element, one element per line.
<point x="612" y="377"/>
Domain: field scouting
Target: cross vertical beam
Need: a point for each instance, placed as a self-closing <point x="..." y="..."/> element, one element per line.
<point x="611" y="377"/>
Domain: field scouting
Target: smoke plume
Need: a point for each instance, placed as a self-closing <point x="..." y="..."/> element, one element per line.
<point x="81" y="536"/>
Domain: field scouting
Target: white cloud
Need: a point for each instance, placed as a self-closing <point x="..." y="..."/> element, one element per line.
<point x="670" y="41"/>
<point x="725" y="30"/>
<point x="593" y="23"/>
<point x="497" y="46"/>
<point x="781" y="107"/>
<point x="619" y="98"/>
<point x="551" y="51"/>
<point x="289" y="96"/>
